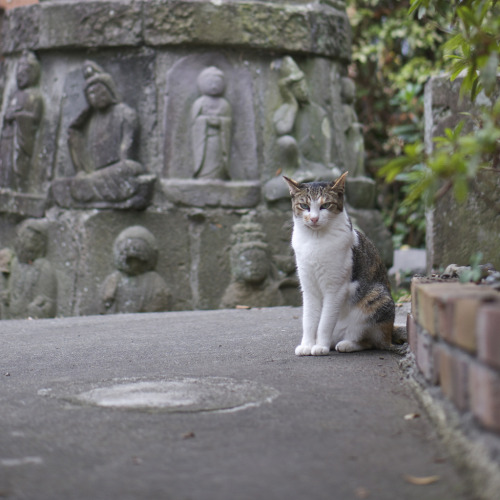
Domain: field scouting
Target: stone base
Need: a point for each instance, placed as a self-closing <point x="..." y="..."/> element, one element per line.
<point x="211" y="193"/>
<point x="61" y="194"/>
<point x="29" y="205"/>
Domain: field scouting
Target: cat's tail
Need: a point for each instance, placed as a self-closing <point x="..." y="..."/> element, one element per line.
<point x="399" y="340"/>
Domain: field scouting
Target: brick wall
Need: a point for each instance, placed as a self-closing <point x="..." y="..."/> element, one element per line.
<point x="10" y="4"/>
<point x="454" y="334"/>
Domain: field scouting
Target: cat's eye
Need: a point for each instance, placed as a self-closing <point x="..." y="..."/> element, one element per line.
<point x="304" y="206"/>
<point x="326" y="206"/>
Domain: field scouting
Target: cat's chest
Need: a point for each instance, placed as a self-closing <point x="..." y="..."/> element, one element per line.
<point x="313" y="248"/>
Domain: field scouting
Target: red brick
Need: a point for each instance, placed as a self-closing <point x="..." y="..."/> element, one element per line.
<point x="488" y="334"/>
<point x="411" y="329"/>
<point x="464" y="322"/>
<point x="485" y="396"/>
<point x="448" y="310"/>
<point x="454" y="376"/>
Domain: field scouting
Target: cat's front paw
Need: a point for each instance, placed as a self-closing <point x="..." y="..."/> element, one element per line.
<point x="303" y="350"/>
<point x="320" y="350"/>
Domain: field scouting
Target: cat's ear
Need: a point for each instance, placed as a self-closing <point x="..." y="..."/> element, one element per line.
<point x="339" y="184"/>
<point x="293" y="186"/>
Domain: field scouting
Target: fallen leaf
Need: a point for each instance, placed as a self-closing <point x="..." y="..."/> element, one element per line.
<point x="421" y="481"/>
<point x="188" y="435"/>
<point x="362" y="492"/>
<point x="412" y="416"/>
<point x="243" y="307"/>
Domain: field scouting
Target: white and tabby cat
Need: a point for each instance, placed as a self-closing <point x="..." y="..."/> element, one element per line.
<point x="346" y="294"/>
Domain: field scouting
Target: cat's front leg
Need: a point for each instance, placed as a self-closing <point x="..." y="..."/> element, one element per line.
<point x="332" y="304"/>
<point x="310" y="319"/>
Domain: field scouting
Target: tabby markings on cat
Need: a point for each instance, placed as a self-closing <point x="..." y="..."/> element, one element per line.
<point x="347" y="303"/>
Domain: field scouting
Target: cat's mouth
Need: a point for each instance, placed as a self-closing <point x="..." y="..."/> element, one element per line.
<point x="314" y="225"/>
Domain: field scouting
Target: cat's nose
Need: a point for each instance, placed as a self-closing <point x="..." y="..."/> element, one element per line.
<point x="314" y="219"/>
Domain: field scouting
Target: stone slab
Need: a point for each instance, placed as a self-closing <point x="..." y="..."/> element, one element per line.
<point x="211" y="193"/>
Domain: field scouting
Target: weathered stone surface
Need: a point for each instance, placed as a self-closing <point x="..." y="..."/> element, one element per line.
<point x="360" y="192"/>
<point x="211" y="193"/>
<point x="22" y="204"/>
<point x="296" y="27"/>
<point x="456" y="231"/>
<point x="76" y="24"/>
<point x="253" y="24"/>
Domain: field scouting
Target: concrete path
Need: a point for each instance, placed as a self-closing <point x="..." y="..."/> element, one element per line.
<point x="206" y="406"/>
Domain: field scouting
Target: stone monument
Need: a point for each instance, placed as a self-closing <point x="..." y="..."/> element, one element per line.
<point x="178" y="118"/>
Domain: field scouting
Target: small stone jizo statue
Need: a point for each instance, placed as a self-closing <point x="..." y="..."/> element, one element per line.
<point x="135" y="286"/>
<point x="31" y="281"/>
<point x="20" y="126"/>
<point x="211" y="127"/>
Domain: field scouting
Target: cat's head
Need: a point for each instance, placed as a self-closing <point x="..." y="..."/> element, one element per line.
<point x="317" y="203"/>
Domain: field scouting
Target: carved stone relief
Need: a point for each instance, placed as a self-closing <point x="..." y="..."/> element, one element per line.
<point x="254" y="278"/>
<point x="211" y="127"/>
<point x="102" y="142"/>
<point x="209" y="120"/>
<point x="30" y="283"/>
<point x="303" y="132"/>
<point x="20" y="170"/>
<point x="20" y="126"/>
<point x="135" y="286"/>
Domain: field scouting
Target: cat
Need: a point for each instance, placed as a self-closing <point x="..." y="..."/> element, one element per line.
<point x="347" y="302"/>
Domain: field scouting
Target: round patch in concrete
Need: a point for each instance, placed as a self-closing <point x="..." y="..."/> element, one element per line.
<point x="183" y="394"/>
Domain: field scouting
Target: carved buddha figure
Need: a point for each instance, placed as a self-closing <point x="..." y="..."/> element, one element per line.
<point x="21" y="122"/>
<point x="31" y="284"/>
<point x="303" y="132"/>
<point x="254" y="280"/>
<point x="135" y="286"/>
<point x="211" y="127"/>
<point x="102" y="141"/>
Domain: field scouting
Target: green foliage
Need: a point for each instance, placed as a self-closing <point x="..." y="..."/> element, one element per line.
<point x="393" y="56"/>
<point x="475" y="273"/>
<point x="473" y="46"/>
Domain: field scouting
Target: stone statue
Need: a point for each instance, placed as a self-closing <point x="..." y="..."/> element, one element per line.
<point x="360" y="189"/>
<point x="304" y="137"/>
<point x="102" y="142"/>
<point x="135" y="286"/>
<point x="31" y="284"/>
<point x="353" y="130"/>
<point x="211" y="127"/>
<point x="20" y="126"/>
<point x="254" y="279"/>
